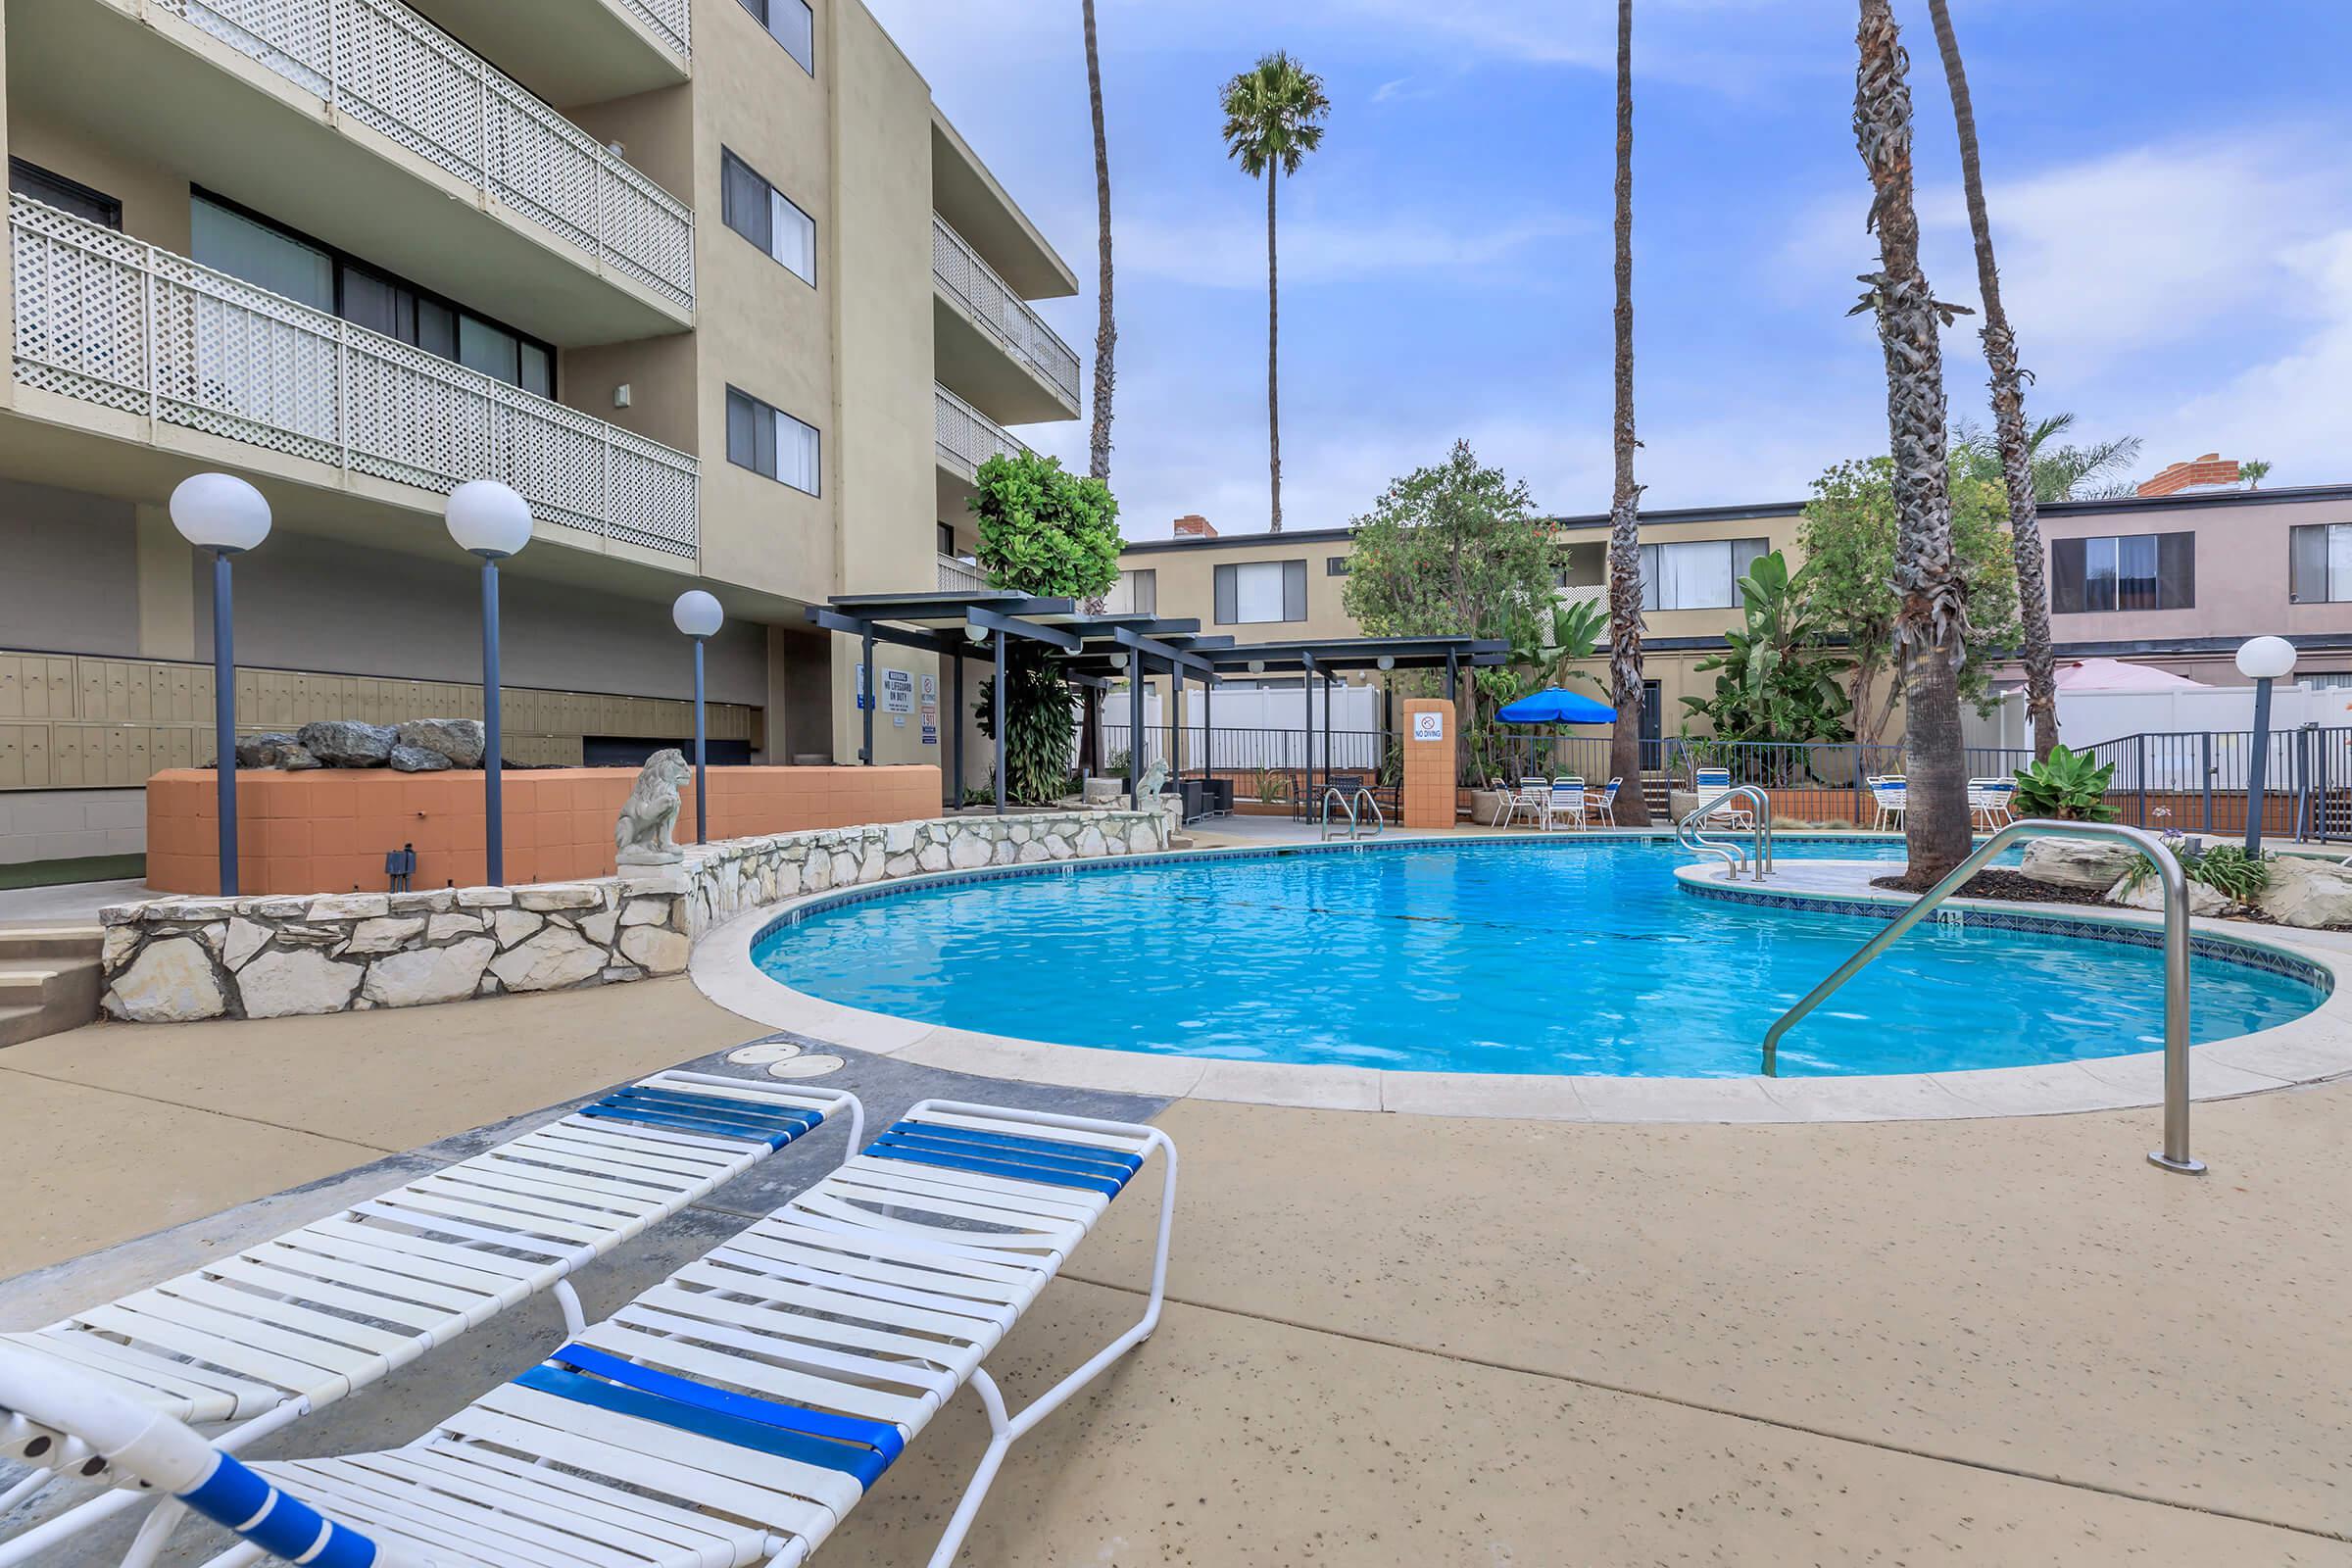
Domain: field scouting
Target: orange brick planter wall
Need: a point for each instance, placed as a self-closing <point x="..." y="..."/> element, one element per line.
<point x="328" y="831"/>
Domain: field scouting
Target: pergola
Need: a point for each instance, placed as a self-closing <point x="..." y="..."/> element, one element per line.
<point x="1095" y="648"/>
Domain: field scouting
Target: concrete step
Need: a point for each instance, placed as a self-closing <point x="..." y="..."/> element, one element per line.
<point x="40" y="999"/>
<point x="36" y="942"/>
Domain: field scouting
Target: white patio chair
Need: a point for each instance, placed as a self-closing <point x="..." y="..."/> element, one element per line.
<point x="1532" y="797"/>
<point x="732" y="1414"/>
<point x="1989" y="801"/>
<point x="1565" y="803"/>
<point x="256" y="1341"/>
<point x="1600" y="804"/>
<point x="1887" y="794"/>
<point x="1710" y="782"/>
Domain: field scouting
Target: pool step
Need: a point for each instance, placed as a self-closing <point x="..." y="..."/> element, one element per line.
<point x="49" y="980"/>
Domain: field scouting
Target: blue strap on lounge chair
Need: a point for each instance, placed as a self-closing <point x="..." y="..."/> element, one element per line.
<point x="716" y="1107"/>
<point x="1084" y="1153"/>
<point x="856" y="1447"/>
<point x="902" y="1140"/>
<point x="723" y="1118"/>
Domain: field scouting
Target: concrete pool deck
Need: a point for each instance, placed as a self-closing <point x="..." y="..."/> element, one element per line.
<point x="1410" y="1339"/>
<point x="2315" y="1047"/>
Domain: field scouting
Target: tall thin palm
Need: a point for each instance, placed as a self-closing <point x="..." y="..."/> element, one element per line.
<point x="1273" y="118"/>
<point x="2008" y="411"/>
<point x="1107" y="331"/>
<point x="1932" y="627"/>
<point x="1626" y="686"/>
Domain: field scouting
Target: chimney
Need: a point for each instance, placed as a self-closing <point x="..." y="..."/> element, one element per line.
<point x="2208" y="469"/>
<point x="1193" y="525"/>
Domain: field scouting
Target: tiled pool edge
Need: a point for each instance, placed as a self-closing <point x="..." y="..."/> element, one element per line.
<point x="2315" y="1047"/>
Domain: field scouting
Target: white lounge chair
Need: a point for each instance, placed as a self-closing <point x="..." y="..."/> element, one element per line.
<point x="258" y="1340"/>
<point x="1565" y="803"/>
<point x="1710" y="782"/>
<point x="732" y="1414"/>
<point x="1887" y="794"/>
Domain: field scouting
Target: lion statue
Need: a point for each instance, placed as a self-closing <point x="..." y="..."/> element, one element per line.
<point x="1154" y="780"/>
<point x="643" y="835"/>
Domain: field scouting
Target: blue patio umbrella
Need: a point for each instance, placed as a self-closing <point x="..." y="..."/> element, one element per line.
<point x="1555" y="705"/>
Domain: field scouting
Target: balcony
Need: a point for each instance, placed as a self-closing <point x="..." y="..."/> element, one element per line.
<point x="967" y="437"/>
<point x="991" y="344"/>
<point x="961" y="577"/>
<point x="577" y="51"/>
<point x="111" y="320"/>
<point x="365" y="127"/>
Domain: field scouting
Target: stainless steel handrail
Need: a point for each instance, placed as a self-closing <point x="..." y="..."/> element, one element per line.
<point x="1759" y="864"/>
<point x="2174" y="1154"/>
<point x="1334" y="793"/>
<point x="1379" y="820"/>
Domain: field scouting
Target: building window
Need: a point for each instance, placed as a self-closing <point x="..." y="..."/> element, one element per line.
<point x="1256" y="592"/>
<point x="1137" y="594"/>
<point x="2320" y="563"/>
<point x="247" y="246"/>
<point x="1702" y="574"/>
<point x="763" y="215"/>
<point x="1583" y="567"/>
<point x="791" y="24"/>
<point x="1335" y="566"/>
<point x="766" y="440"/>
<point x="2125" y="572"/>
<point x="67" y="195"/>
<point x="946" y="539"/>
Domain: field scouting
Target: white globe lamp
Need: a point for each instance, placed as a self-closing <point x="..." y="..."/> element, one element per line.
<point x="222" y="513"/>
<point x="489" y="520"/>
<point x="219" y="512"/>
<point x="2262" y="660"/>
<point x="697" y="613"/>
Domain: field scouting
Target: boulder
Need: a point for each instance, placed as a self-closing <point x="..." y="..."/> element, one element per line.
<point x="286" y="982"/>
<point x="171" y="982"/>
<point x="266" y="750"/>
<point x="2307" y="893"/>
<point x="297" y="759"/>
<point x="417" y="759"/>
<point x="429" y="974"/>
<point x="347" y="743"/>
<point x="457" y="739"/>
<point x="2094" y="863"/>
<point x="2149" y="894"/>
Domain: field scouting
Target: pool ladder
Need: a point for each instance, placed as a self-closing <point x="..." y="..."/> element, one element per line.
<point x="2173" y="1155"/>
<point x="1759" y="808"/>
<point x="1347" y="803"/>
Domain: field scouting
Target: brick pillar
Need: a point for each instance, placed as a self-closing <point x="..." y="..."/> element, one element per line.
<point x="1430" y="744"/>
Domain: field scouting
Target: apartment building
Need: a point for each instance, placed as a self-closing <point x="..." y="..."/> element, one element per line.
<point x="711" y="283"/>
<point x="2176" y="582"/>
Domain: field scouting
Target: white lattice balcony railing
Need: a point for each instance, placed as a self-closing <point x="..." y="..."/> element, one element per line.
<point x="112" y="320"/>
<point x="967" y="437"/>
<point x="961" y="577"/>
<point x="386" y="67"/>
<point x="1002" y="313"/>
<point x="671" y="22"/>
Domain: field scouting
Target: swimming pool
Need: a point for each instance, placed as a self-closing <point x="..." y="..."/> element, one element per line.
<point x="1563" y="956"/>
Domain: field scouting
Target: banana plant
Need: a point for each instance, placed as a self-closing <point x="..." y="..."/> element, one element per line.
<point x="1775" y="681"/>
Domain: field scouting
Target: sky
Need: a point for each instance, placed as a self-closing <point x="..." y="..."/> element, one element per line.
<point x="2169" y="201"/>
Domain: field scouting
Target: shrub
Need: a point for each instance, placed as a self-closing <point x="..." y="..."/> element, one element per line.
<point x="2227" y="868"/>
<point x="2070" y="787"/>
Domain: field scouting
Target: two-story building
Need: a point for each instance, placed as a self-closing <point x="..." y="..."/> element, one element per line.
<point x="711" y="283"/>
<point x="2177" y="582"/>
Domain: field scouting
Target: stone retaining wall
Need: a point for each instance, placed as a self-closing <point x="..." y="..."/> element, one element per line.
<point x="172" y="960"/>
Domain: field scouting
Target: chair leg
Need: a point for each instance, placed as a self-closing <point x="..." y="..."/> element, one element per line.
<point x="1006" y="1429"/>
<point x="154" y="1534"/>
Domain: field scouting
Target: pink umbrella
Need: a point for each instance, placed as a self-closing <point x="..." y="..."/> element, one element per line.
<point x="2114" y="675"/>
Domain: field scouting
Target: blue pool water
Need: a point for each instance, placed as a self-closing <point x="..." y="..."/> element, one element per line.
<point x="1571" y="956"/>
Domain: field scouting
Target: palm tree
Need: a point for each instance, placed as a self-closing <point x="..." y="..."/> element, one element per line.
<point x="2066" y="473"/>
<point x="1273" y="118"/>
<point x="1107" y="331"/>
<point x="1932" y="628"/>
<point x="1625" y="522"/>
<point x="2008" y="411"/>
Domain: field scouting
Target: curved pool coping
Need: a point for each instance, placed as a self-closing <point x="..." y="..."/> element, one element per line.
<point x="2316" y="1045"/>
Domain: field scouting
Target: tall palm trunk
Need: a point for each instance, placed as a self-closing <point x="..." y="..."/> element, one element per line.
<point x="1273" y="360"/>
<point x="1625" y="526"/>
<point x="2008" y="411"/>
<point x="1107" y="331"/>
<point x="1932" y="627"/>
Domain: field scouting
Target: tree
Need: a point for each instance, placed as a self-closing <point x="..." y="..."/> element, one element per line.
<point x="1455" y="550"/>
<point x="1777" y="680"/>
<point x="2008" y="408"/>
<point x="1626" y="687"/>
<point x="1051" y="534"/>
<point x="2066" y="473"/>
<point x="1931" y="629"/>
<point x="2254" y="472"/>
<point x="1273" y="118"/>
<point x="1107" y="331"/>
<point x="1849" y="537"/>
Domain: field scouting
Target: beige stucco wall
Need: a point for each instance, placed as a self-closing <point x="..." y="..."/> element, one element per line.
<point x="2242" y="579"/>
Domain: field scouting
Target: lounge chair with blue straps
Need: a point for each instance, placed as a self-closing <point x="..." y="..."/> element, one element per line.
<point x="252" y="1341"/>
<point x="730" y="1415"/>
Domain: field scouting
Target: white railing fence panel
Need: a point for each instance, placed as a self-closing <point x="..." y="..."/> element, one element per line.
<point x="992" y="302"/>
<point x="967" y="437"/>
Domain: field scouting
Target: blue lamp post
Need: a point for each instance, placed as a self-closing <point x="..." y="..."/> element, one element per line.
<point x="490" y="521"/>
<point x="225" y="514"/>
<point x="2262" y="660"/>
<point x="699" y="616"/>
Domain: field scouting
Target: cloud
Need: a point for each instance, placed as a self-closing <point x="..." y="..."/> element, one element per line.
<point x="1401" y="90"/>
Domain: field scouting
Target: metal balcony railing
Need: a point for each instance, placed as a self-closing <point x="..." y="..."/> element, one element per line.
<point x="961" y="577"/>
<point x="967" y="437"/>
<point x="1001" y="313"/>
<point x="387" y="68"/>
<point x="115" y="321"/>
